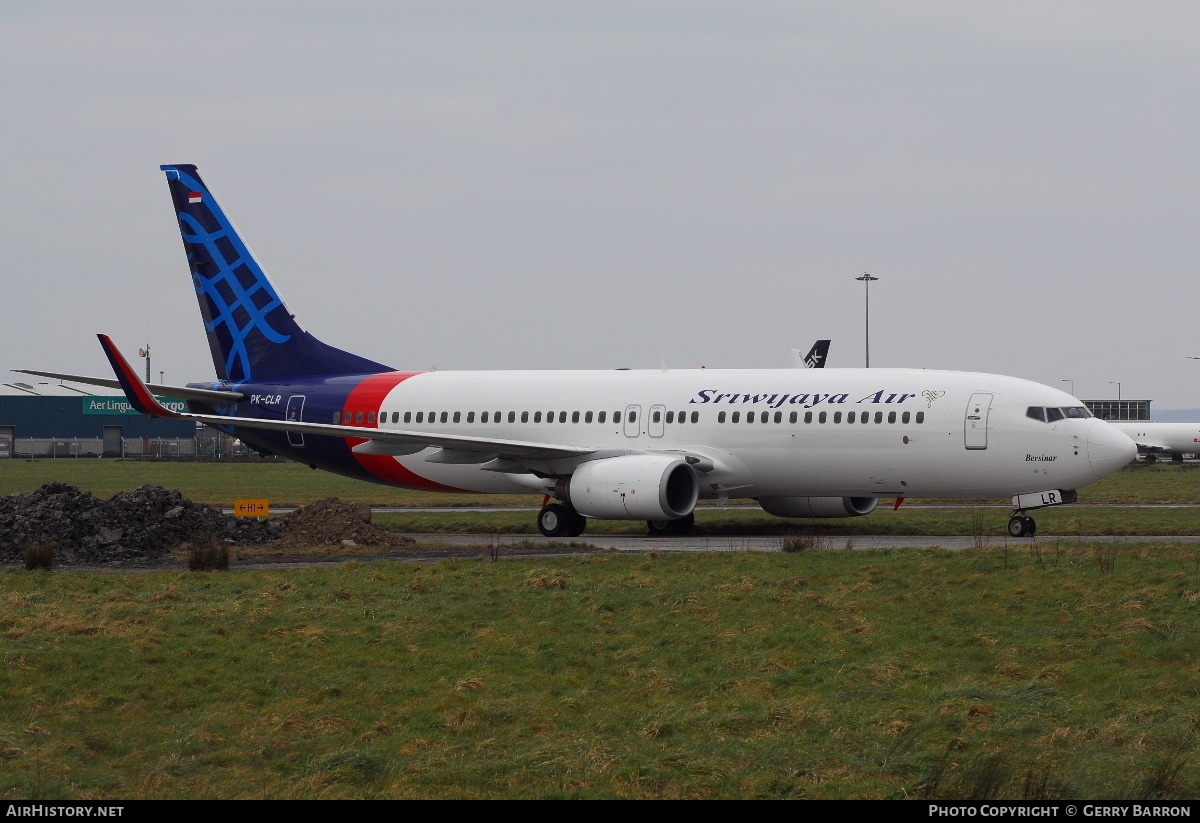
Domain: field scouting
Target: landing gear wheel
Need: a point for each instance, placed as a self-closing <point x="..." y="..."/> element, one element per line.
<point x="671" y="528"/>
<point x="660" y="528"/>
<point x="554" y="520"/>
<point x="1021" y="526"/>
<point x="577" y="526"/>
<point x="1016" y="526"/>
<point x="684" y="524"/>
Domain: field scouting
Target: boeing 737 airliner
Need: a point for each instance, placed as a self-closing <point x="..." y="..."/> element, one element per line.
<point x="622" y="445"/>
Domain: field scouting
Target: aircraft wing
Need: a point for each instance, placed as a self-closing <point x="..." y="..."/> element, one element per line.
<point x="382" y="441"/>
<point x="181" y="392"/>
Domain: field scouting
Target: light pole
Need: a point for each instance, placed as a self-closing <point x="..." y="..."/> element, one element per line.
<point x="1072" y="382"/>
<point x="1118" y="385"/>
<point x="866" y="279"/>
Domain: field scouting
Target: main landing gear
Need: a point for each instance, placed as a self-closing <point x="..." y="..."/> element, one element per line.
<point x="559" y="520"/>
<point x="670" y="528"/>
<point x="1022" y="525"/>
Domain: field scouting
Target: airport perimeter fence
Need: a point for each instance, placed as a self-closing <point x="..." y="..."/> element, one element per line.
<point x="131" y="448"/>
<point x="68" y="447"/>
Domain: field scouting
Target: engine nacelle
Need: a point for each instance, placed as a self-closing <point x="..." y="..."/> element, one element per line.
<point x="818" y="506"/>
<point x="634" y="487"/>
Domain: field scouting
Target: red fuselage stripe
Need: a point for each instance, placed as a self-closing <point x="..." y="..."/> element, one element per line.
<point x="367" y="397"/>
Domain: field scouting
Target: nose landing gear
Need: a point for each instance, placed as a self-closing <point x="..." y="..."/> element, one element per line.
<point x="1021" y="524"/>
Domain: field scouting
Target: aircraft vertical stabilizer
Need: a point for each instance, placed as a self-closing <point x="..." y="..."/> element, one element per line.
<point x="251" y="333"/>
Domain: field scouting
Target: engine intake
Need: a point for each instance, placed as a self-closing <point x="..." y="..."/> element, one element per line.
<point x="818" y="506"/>
<point x="634" y="487"/>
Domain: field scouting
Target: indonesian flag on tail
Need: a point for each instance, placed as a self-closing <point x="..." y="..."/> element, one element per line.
<point x="195" y="197"/>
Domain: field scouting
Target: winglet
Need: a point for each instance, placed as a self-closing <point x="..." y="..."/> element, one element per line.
<point x="135" y="390"/>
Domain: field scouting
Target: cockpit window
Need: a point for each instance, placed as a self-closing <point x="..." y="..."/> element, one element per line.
<point x="1051" y="415"/>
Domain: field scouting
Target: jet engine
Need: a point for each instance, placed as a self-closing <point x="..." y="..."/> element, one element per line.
<point x="634" y="487"/>
<point x="818" y="506"/>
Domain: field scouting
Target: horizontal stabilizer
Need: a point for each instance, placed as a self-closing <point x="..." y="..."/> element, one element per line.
<point x="211" y="396"/>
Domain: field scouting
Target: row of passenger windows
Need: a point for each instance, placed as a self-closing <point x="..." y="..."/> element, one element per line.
<point x="1049" y="414"/>
<point x="498" y="417"/>
<point x="825" y="417"/>
<point x="601" y="417"/>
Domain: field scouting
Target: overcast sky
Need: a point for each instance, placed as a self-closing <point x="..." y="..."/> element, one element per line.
<point x="601" y="184"/>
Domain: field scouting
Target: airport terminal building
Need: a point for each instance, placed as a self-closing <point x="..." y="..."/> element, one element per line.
<point x="1119" y="409"/>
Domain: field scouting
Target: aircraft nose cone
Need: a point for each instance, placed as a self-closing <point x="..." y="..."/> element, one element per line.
<point x="1108" y="449"/>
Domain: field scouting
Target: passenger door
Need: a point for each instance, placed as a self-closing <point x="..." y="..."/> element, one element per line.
<point x="976" y="422"/>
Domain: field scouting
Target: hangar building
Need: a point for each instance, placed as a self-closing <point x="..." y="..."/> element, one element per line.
<point x="58" y="420"/>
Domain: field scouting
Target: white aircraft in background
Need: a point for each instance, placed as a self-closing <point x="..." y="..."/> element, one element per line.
<point x="621" y="445"/>
<point x="1153" y="439"/>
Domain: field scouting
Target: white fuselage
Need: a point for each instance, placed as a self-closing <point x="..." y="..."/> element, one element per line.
<point x="781" y="432"/>
<point x="1179" y="438"/>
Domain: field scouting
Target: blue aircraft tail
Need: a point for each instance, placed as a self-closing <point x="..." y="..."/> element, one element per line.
<point x="251" y="333"/>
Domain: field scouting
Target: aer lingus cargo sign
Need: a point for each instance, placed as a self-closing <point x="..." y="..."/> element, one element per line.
<point x="119" y="405"/>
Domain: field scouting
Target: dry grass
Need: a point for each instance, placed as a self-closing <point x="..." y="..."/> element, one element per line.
<point x="40" y="554"/>
<point x="207" y="554"/>
<point x="802" y="542"/>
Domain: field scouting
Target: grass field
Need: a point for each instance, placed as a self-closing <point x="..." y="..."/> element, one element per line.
<point x="289" y="484"/>
<point x="1070" y="672"/>
<point x="960" y="521"/>
<point x="220" y="483"/>
<point x="1056" y="669"/>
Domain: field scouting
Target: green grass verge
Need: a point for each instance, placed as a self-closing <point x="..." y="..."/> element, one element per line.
<point x="1045" y="672"/>
<point x="288" y="484"/>
<point x="219" y="484"/>
<point x="987" y="523"/>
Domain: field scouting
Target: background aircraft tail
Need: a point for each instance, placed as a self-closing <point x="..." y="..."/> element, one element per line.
<point x="251" y="333"/>
<point x="815" y="359"/>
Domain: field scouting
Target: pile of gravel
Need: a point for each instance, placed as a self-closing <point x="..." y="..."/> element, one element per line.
<point x="333" y="522"/>
<point x="146" y="523"/>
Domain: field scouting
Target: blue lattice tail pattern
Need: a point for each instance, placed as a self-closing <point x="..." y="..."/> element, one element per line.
<point x="251" y="333"/>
